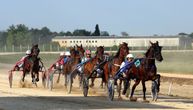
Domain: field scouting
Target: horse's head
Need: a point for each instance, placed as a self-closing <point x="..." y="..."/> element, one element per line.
<point x="35" y="50"/>
<point x="100" y="52"/>
<point x="81" y="50"/>
<point x="154" y="51"/>
<point x="74" y="54"/>
<point x="123" y="50"/>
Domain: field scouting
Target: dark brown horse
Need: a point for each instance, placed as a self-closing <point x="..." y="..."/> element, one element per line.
<point x="112" y="66"/>
<point x="37" y="64"/>
<point x="146" y="70"/>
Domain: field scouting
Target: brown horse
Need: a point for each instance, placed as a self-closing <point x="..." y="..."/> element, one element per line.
<point x="89" y="69"/>
<point x="112" y="66"/>
<point x="81" y="51"/>
<point x="146" y="70"/>
<point x="26" y="68"/>
<point x="70" y="68"/>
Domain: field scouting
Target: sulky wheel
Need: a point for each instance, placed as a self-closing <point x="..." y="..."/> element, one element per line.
<point x="69" y="83"/>
<point x="85" y="85"/>
<point x="110" y="89"/>
<point x="50" y="81"/>
<point x="44" y="79"/>
<point x="10" y="79"/>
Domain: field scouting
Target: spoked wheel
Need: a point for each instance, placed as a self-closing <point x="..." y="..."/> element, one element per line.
<point x="111" y="89"/>
<point x="85" y="85"/>
<point x="69" y="83"/>
<point x="44" y="79"/>
<point x="50" y="81"/>
<point x="80" y="80"/>
<point x="10" y="79"/>
<point x="154" y="91"/>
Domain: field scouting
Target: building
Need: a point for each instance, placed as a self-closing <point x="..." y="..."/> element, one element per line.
<point x="133" y="41"/>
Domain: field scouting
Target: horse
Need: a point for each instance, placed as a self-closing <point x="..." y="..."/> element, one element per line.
<point x="100" y="55"/>
<point x="90" y="69"/>
<point x="147" y="69"/>
<point x="70" y="68"/>
<point x="36" y="67"/>
<point x="81" y="51"/>
<point x="30" y="65"/>
<point x="112" y="66"/>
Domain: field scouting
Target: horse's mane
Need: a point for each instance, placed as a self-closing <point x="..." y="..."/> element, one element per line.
<point x="117" y="54"/>
<point x="97" y="49"/>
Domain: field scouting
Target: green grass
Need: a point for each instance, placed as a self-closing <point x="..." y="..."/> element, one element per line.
<point x="174" y="62"/>
<point x="47" y="59"/>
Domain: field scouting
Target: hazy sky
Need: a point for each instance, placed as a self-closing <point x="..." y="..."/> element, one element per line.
<point x="136" y="17"/>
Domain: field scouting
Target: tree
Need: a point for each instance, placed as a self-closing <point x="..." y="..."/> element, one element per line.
<point x="3" y="36"/>
<point x="97" y="31"/>
<point x="104" y="33"/>
<point x="191" y="35"/>
<point x="182" y="33"/>
<point x="81" y="32"/>
<point x="17" y="35"/>
<point x="68" y="33"/>
<point x="124" y="34"/>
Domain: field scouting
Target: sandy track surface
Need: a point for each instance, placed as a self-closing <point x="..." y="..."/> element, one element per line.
<point x="32" y="98"/>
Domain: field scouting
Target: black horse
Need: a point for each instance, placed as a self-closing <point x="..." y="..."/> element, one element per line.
<point x="146" y="70"/>
<point x="37" y="64"/>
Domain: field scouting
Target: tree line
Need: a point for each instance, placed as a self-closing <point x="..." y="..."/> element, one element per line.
<point x="22" y="35"/>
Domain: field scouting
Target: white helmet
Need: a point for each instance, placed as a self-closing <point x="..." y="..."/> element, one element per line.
<point x="130" y="56"/>
<point x="28" y="52"/>
<point x="67" y="53"/>
<point x="62" y="54"/>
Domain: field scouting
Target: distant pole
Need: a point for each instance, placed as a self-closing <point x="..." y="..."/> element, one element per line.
<point x="43" y="47"/>
<point x="12" y="48"/>
<point x="58" y="48"/>
<point x="50" y="47"/>
<point x="20" y="48"/>
<point x="5" y="48"/>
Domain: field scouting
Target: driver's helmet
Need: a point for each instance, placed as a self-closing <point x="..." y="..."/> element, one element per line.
<point x="67" y="53"/>
<point x="130" y="56"/>
<point x="62" y="54"/>
<point x="28" y="52"/>
<point x="88" y="52"/>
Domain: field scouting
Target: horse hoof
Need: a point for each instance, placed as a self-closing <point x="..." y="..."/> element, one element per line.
<point x="120" y="98"/>
<point x="37" y="79"/>
<point x="146" y="101"/>
<point x="92" y="85"/>
<point x="134" y="99"/>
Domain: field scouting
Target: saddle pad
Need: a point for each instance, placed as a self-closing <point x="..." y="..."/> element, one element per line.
<point x="137" y="63"/>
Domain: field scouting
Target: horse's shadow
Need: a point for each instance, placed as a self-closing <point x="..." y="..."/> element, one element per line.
<point x="73" y="102"/>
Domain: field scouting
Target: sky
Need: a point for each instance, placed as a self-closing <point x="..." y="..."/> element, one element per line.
<point x="136" y="17"/>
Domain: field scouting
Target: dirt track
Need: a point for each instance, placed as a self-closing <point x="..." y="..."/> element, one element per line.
<point x="32" y="98"/>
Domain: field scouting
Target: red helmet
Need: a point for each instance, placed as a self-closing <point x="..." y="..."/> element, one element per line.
<point x="88" y="52"/>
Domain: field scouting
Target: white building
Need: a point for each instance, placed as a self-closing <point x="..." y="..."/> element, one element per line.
<point x="133" y="41"/>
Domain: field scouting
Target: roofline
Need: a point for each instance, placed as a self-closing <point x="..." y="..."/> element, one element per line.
<point x="114" y="37"/>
